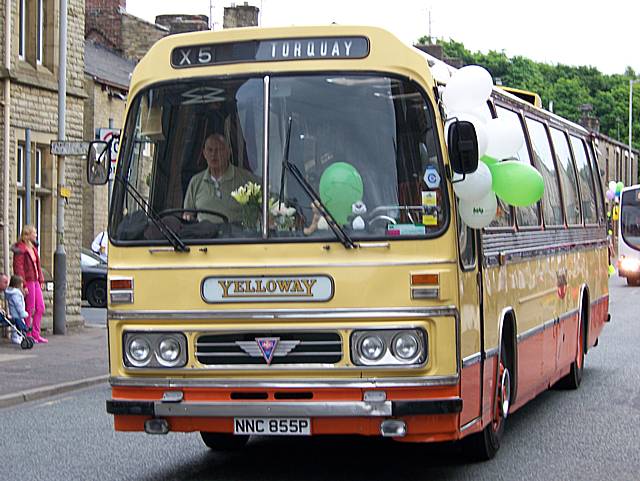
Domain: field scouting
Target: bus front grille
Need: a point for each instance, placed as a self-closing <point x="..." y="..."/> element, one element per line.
<point x="275" y="348"/>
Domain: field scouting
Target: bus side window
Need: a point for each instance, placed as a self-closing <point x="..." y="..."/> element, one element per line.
<point x="528" y="216"/>
<point x="543" y="161"/>
<point x="568" y="178"/>
<point x="587" y="193"/>
<point x="599" y="191"/>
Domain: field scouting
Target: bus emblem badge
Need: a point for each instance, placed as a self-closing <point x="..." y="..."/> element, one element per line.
<point x="267" y="346"/>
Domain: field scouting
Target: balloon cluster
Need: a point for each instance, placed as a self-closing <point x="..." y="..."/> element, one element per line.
<point x="516" y="183"/>
<point x="614" y="190"/>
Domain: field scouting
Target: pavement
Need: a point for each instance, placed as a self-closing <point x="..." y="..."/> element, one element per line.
<point x="72" y="361"/>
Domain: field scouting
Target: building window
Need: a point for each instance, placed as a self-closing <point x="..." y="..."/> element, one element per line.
<point x="38" y="168"/>
<point x="37" y="219"/>
<point x="20" y="166"/>
<point x="40" y="32"/>
<point x="21" y="28"/>
<point x="39" y="183"/>
<point x="19" y="215"/>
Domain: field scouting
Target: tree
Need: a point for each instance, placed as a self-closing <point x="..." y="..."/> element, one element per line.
<point x="567" y="86"/>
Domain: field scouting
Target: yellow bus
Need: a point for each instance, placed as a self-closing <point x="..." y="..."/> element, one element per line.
<point x="286" y="256"/>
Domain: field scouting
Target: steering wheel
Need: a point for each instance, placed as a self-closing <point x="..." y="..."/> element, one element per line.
<point x="180" y="210"/>
<point x="378" y="218"/>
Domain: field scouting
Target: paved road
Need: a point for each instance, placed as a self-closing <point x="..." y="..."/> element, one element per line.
<point x="94" y="316"/>
<point x="589" y="434"/>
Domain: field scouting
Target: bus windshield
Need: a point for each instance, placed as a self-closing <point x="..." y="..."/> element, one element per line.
<point x="630" y="217"/>
<point x="195" y="152"/>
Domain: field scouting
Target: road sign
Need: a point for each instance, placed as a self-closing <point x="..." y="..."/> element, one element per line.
<point x="113" y="136"/>
<point x="69" y="147"/>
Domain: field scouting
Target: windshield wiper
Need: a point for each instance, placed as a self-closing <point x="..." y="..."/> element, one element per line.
<point x="331" y="221"/>
<point x="164" y="229"/>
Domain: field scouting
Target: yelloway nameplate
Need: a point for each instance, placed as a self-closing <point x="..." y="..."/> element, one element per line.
<point x="267" y="289"/>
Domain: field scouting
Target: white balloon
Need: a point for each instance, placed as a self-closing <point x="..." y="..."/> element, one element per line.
<point x="480" y="213"/>
<point x="475" y="186"/>
<point x="505" y="138"/>
<point x="478" y="124"/>
<point x="440" y="72"/>
<point x="468" y="88"/>
<point x="612" y="185"/>
<point x="482" y="112"/>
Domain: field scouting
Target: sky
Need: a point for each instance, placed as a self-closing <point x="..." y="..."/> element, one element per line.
<point x="572" y="32"/>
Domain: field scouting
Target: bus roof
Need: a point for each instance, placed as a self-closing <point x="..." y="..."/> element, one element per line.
<point x="246" y="50"/>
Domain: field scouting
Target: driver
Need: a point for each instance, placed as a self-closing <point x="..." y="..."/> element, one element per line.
<point x="211" y="189"/>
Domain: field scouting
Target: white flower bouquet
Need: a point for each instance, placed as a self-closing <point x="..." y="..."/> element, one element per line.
<point x="249" y="196"/>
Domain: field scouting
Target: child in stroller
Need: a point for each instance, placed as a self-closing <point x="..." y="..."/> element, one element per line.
<point x="14" y="296"/>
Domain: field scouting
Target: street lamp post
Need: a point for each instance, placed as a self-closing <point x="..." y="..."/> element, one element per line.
<point x="631" y="82"/>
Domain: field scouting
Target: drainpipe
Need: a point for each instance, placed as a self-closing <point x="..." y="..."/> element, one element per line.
<point x="7" y="135"/>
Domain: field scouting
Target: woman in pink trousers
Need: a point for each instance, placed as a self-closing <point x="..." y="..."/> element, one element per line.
<point x="26" y="264"/>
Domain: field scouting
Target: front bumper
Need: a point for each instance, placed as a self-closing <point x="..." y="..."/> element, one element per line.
<point x="284" y="409"/>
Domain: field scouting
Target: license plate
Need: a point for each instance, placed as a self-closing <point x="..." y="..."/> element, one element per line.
<point x="272" y="426"/>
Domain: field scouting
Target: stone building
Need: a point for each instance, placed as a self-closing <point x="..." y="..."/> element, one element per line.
<point x="107" y="77"/>
<point x="30" y="92"/>
<point x="115" y="42"/>
<point x="616" y="162"/>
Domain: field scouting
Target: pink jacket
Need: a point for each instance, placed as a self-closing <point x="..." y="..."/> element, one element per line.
<point x="25" y="264"/>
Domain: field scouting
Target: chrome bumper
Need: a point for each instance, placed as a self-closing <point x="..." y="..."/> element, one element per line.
<point x="284" y="409"/>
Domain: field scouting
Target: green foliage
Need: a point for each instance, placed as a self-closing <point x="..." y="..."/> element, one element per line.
<point x="568" y="87"/>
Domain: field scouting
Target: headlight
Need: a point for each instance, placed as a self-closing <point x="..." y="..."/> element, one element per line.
<point x="168" y="351"/>
<point x="389" y="347"/>
<point x="372" y="348"/>
<point x="405" y="346"/>
<point x="139" y="351"/>
<point x="629" y="265"/>
<point x="154" y="349"/>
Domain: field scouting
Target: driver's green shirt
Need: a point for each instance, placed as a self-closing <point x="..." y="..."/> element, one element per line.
<point x="205" y="193"/>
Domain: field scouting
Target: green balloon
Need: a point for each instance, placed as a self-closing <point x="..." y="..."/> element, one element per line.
<point x="488" y="160"/>
<point x="619" y="186"/>
<point x="516" y="183"/>
<point x="340" y="186"/>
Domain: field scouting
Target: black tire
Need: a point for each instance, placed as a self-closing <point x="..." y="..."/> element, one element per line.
<point x="97" y="293"/>
<point x="24" y="344"/>
<point x="223" y="441"/>
<point x="574" y="378"/>
<point x="484" y="445"/>
<point x="633" y="280"/>
<point x="30" y="343"/>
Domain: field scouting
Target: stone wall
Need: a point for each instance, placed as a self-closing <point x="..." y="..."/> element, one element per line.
<point x="34" y="105"/>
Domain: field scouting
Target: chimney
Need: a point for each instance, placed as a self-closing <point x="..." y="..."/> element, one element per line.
<point x="102" y="22"/>
<point x="587" y="119"/>
<point x="240" y="16"/>
<point x="183" y="23"/>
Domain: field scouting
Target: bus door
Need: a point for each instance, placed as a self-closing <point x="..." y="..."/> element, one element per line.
<point x="470" y="324"/>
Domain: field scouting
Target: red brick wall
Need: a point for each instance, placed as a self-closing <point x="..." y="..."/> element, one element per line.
<point x="103" y="22"/>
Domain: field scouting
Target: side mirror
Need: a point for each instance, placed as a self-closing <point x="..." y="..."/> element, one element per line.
<point x="463" y="147"/>
<point x="98" y="162"/>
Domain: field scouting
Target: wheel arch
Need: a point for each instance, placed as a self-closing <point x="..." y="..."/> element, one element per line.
<point x="584" y="314"/>
<point x="508" y="333"/>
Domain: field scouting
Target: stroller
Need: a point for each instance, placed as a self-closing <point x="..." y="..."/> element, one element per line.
<point x="20" y="329"/>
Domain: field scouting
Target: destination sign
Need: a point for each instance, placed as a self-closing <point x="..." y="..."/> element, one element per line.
<point x="316" y="48"/>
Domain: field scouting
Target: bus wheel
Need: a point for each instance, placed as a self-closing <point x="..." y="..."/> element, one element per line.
<point x="485" y="444"/>
<point x="633" y="280"/>
<point x="574" y="378"/>
<point x="223" y="441"/>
